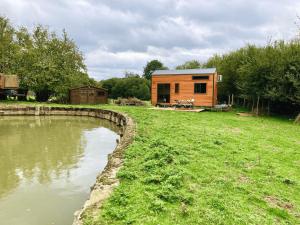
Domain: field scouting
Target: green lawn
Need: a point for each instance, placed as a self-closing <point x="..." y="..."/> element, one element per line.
<point x="207" y="168"/>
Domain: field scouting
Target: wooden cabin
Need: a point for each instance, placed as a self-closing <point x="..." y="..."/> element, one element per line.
<point x="88" y="95"/>
<point x="196" y="85"/>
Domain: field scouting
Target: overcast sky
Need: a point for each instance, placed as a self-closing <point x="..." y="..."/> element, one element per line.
<point x="122" y="35"/>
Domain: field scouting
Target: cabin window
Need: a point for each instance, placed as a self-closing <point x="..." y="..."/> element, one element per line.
<point x="200" y="77"/>
<point x="176" y="88"/>
<point x="100" y="93"/>
<point x="200" y="88"/>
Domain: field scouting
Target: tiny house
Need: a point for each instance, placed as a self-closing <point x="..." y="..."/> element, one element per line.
<point x="196" y="85"/>
<point x="88" y="95"/>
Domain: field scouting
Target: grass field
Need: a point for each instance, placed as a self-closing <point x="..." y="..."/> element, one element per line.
<point x="207" y="168"/>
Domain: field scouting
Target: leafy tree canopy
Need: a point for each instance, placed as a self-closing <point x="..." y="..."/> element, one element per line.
<point x="131" y="74"/>
<point x="193" y="64"/>
<point x="132" y="85"/>
<point x="269" y="74"/>
<point x="46" y="63"/>
<point x="151" y="67"/>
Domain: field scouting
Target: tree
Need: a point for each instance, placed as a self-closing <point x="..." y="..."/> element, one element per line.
<point x="127" y="87"/>
<point x="131" y="74"/>
<point x="193" y="64"/>
<point x="46" y="63"/>
<point x="265" y="78"/>
<point x="8" y="48"/>
<point x="151" y="67"/>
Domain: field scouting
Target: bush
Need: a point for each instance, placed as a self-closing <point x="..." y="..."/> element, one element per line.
<point x="128" y="87"/>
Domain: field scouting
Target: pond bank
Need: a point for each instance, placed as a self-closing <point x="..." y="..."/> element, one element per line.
<point x="106" y="180"/>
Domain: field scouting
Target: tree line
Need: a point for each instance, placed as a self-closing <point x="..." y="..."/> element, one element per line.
<point x="262" y="78"/>
<point x="132" y="84"/>
<point x="45" y="62"/>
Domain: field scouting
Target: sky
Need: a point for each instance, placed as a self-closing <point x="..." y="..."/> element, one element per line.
<point x="123" y="35"/>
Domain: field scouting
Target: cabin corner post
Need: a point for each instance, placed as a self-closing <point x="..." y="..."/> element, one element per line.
<point x="213" y="91"/>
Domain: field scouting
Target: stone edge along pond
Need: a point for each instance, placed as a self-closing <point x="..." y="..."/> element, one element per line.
<point x="107" y="179"/>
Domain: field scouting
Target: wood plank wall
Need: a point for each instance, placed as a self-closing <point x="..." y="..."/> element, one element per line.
<point x="2" y="81"/>
<point x="186" y="88"/>
<point x="87" y="96"/>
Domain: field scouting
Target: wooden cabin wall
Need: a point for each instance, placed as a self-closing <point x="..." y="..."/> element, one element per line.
<point x="9" y="81"/>
<point x="2" y="81"/>
<point x="87" y="96"/>
<point x="186" y="88"/>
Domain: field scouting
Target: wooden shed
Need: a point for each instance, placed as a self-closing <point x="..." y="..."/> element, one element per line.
<point x="9" y="81"/>
<point x="196" y="85"/>
<point x="88" y="95"/>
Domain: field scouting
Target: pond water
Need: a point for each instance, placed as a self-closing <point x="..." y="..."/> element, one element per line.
<point x="47" y="165"/>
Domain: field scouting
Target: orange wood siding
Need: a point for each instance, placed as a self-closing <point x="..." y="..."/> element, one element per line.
<point x="186" y="88"/>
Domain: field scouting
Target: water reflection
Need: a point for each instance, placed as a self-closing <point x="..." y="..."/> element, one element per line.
<point x="49" y="160"/>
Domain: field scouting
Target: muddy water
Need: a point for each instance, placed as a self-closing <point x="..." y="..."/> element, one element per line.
<point x="47" y="165"/>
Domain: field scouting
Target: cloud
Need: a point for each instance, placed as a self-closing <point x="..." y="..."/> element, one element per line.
<point x="117" y="36"/>
<point x="100" y="60"/>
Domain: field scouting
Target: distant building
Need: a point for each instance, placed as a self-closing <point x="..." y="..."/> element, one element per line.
<point x="197" y="85"/>
<point x="9" y="81"/>
<point x="9" y="86"/>
<point x="88" y="95"/>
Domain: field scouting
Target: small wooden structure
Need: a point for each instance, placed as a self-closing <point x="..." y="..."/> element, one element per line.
<point x="88" y="95"/>
<point x="9" y="82"/>
<point x="185" y="88"/>
<point x="9" y="86"/>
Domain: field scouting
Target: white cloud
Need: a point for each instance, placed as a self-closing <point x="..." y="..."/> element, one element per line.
<point x="103" y="61"/>
<point x="118" y="36"/>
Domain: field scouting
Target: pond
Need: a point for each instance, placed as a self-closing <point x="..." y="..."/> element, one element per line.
<point x="48" y="164"/>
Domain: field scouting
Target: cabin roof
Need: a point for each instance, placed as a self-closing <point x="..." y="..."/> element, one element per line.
<point x="90" y="87"/>
<point x="185" y="72"/>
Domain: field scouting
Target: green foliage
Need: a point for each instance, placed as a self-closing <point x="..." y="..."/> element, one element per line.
<point x="131" y="74"/>
<point x="193" y="64"/>
<point x="130" y="86"/>
<point x="7" y="46"/>
<point x="151" y="67"/>
<point x="47" y="64"/>
<point x="157" y="205"/>
<point x="270" y="73"/>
